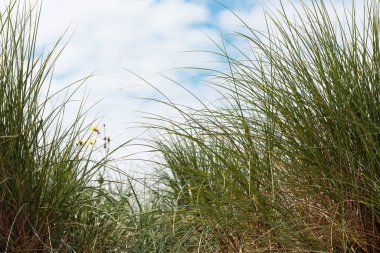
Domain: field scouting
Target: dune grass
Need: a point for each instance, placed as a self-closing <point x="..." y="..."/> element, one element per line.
<point x="49" y="199"/>
<point x="290" y="163"/>
<point x="286" y="161"/>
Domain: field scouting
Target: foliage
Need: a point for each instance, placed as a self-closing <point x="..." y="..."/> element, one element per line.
<point x="288" y="162"/>
<point x="291" y="161"/>
<point x="48" y="198"/>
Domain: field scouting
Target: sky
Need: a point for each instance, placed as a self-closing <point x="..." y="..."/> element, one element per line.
<point x="126" y="44"/>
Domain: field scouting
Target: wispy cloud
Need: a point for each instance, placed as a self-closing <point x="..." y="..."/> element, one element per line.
<point x="146" y="37"/>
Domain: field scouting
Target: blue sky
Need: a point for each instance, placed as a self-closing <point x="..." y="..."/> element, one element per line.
<point x="217" y="6"/>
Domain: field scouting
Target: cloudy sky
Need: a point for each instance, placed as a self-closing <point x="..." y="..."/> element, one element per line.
<point x="152" y="38"/>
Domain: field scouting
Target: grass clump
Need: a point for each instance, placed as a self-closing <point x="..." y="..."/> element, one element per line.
<point x="291" y="162"/>
<point x="49" y="201"/>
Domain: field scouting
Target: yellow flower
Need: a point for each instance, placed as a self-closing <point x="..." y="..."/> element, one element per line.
<point x="91" y="142"/>
<point x="81" y="142"/>
<point x="189" y="188"/>
<point x="95" y="129"/>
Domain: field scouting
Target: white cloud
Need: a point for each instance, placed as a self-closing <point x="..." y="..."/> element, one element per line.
<point x="144" y="36"/>
<point x="141" y="35"/>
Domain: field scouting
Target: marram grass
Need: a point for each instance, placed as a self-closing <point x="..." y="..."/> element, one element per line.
<point x="291" y="163"/>
<point x="49" y="201"/>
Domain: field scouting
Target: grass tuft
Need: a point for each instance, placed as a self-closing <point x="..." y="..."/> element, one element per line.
<point x="291" y="162"/>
